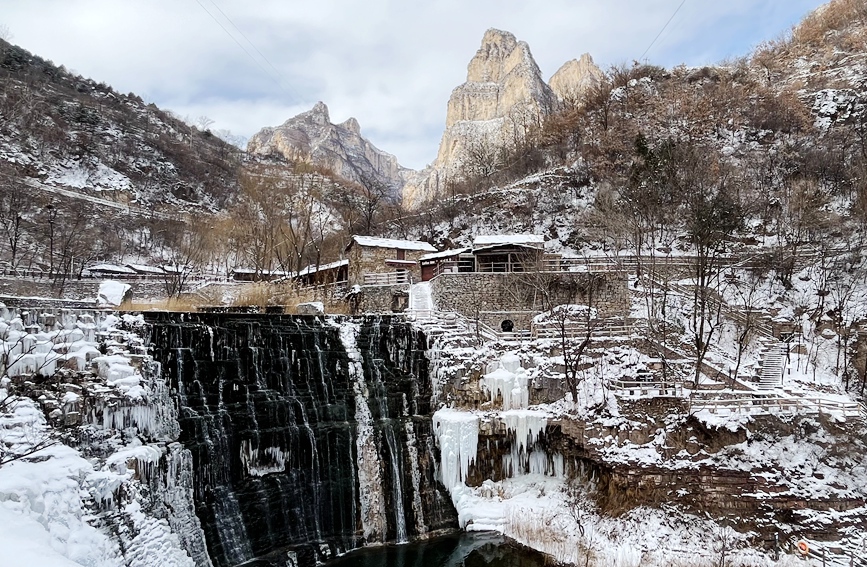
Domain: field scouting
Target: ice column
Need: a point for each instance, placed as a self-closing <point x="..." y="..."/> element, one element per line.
<point x="510" y="381"/>
<point x="458" y="438"/>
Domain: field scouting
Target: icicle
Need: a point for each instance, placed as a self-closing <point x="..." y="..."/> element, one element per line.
<point x="527" y="426"/>
<point x="509" y="380"/>
<point x="458" y="438"/>
<point x="257" y="462"/>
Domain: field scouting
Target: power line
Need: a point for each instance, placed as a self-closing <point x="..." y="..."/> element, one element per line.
<point x="245" y="50"/>
<point x="662" y="30"/>
<point x="253" y="45"/>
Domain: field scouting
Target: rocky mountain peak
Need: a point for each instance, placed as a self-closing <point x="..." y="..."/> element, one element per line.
<point x="574" y="77"/>
<point x="319" y="113"/>
<point x="311" y="136"/>
<point x="352" y="125"/>
<point x="504" y="91"/>
<point x="488" y="65"/>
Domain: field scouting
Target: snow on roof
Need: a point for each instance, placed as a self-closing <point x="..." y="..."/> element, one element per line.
<point x="176" y="269"/>
<point x="111" y="268"/>
<point x="143" y="269"/>
<point x="501" y="239"/>
<point x="444" y="254"/>
<point x="312" y="269"/>
<point x="242" y="271"/>
<point x="377" y="242"/>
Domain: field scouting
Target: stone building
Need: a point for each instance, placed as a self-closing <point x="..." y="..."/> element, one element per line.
<point x="383" y="261"/>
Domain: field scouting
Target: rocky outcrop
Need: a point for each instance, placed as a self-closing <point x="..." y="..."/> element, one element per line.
<point x="503" y="97"/>
<point x="312" y="137"/>
<point x="574" y="77"/>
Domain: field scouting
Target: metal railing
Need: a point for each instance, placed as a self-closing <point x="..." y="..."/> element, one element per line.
<point x="548" y="265"/>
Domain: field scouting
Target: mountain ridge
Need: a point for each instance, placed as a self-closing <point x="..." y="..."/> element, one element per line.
<point x="311" y="136"/>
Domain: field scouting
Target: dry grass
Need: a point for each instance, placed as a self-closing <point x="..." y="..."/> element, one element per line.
<point x="260" y="294"/>
<point x="184" y="303"/>
<point x="836" y="16"/>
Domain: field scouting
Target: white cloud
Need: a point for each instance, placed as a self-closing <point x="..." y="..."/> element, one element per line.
<point x="390" y="64"/>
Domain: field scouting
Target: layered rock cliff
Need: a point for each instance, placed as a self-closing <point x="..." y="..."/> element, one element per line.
<point x="574" y="77"/>
<point x="311" y="136"/>
<point x="503" y="97"/>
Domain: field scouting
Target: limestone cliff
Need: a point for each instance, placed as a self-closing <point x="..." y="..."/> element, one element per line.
<point x="503" y="96"/>
<point x="574" y="77"/>
<point x="340" y="147"/>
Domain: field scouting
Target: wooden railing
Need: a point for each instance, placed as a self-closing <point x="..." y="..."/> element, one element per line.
<point x="659" y="388"/>
<point x="598" y="328"/>
<point x="388" y="278"/>
<point x="752" y="406"/>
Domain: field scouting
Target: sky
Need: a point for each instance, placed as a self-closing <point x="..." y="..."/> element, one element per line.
<point x="247" y="64"/>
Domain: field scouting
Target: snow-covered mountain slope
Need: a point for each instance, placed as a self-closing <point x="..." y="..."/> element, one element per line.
<point x="66" y="131"/>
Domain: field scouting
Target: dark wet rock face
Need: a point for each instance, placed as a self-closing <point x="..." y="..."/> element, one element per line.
<point x="296" y="453"/>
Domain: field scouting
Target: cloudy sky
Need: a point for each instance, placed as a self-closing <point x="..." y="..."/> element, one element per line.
<point x="391" y="64"/>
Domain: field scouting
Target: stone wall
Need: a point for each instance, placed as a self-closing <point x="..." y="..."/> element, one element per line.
<point x="371" y="260"/>
<point x="518" y="296"/>
<point x="78" y="290"/>
<point x="382" y="299"/>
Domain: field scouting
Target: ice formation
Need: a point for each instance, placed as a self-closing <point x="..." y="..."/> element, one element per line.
<point x="261" y="461"/>
<point x="527" y="426"/>
<point x="508" y="379"/>
<point x="458" y="438"/>
<point x="371" y="495"/>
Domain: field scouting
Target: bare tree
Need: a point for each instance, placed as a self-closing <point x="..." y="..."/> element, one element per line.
<point x="13" y="207"/>
<point x="187" y="252"/>
<point x="482" y="158"/>
<point x="373" y="195"/>
<point x="711" y="217"/>
<point x="203" y="123"/>
<point x="747" y="311"/>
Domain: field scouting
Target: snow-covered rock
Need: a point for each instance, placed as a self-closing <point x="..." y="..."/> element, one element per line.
<point x="112" y="293"/>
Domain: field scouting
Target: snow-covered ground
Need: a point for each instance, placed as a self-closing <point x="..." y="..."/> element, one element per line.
<point x="62" y="506"/>
<point x="552" y="507"/>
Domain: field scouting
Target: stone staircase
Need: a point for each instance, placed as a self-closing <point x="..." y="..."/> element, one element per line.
<point x="773" y="366"/>
<point x="420" y="300"/>
<point x="849" y="552"/>
<point x="439" y="326"/>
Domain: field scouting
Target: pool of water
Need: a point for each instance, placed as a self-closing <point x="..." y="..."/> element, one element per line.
<point x="480" y="549"/>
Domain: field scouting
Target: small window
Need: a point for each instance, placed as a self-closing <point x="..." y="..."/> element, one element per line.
<point x="401" y="254"/>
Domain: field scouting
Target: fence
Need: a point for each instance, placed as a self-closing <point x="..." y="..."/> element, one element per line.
<point x="602" y="328"/>
<point x="645" y="388"/>
<point x="388" y="278"/>
<point x="757" y="406"/>
<point x="38" y="274"/>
